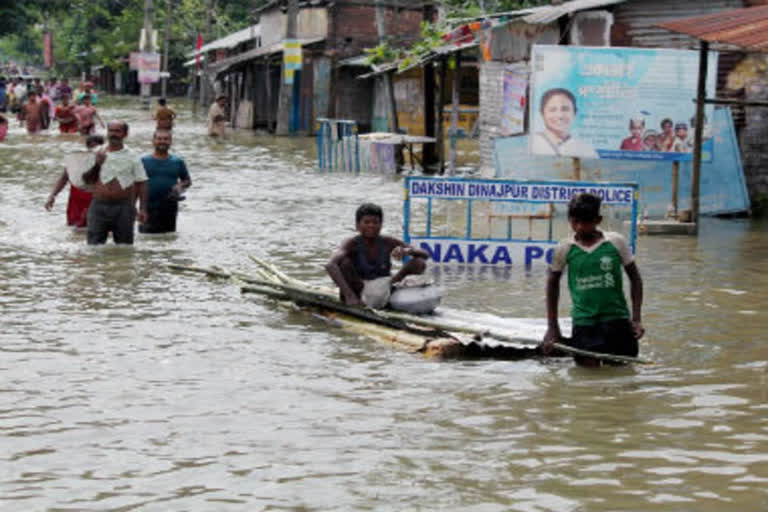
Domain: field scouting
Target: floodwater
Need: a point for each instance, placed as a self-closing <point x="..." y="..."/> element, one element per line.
<point x="126" y="386"/>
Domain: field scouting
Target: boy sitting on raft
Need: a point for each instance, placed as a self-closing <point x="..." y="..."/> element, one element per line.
<point x="601" y="321"/>
<point x="361" y="266"/>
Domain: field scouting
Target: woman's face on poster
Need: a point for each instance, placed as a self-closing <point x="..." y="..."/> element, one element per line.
<point x="558" y="115"/>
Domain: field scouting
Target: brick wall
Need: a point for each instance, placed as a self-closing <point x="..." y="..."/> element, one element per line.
<point x="353" y="28"/>
<point x="754" y="139"/>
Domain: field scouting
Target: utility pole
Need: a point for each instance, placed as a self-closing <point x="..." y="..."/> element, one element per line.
<point x="386" y="79"/>
<point x="205" y="86"/>
<point x="148" y="47"/>
<point x="285" y="101"/>
<point x="166" y="41"/>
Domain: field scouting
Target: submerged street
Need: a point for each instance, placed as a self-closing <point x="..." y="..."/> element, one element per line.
<point x="127" y="386"/>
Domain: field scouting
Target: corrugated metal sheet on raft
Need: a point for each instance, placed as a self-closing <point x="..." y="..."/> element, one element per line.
<point x="723" y="186"/>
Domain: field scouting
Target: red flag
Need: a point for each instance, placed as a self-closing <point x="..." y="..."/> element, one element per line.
<point x="48" y="49"/>
<point x="199" y="45"/>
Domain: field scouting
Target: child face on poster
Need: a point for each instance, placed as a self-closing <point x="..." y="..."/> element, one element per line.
<point x="558" y="110"/>
<point x="650" y="141"/>
<point x="636" y="128"/>
<point x="666" y="127"/>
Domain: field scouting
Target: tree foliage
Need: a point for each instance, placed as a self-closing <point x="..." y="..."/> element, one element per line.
<point x="104" y="32"/>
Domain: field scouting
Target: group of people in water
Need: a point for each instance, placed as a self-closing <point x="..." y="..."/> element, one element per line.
<point x="107" y="184"/>
<point x="108" y="180"/>
<point x="596" y="261"/>
<point x="37" y="105"/>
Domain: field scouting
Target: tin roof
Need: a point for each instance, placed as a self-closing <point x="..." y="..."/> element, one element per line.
<point x="223" y="65"/>
<point x="231" y="40"/>
<point x="549" y="13"/>
<point x="746" y="28"/>
<point x="543" y="14"/>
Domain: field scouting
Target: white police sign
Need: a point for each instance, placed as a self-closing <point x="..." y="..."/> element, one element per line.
<point x="510" y="198"/>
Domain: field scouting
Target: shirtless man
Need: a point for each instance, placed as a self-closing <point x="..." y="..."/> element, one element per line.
<point x="85" y="114"/>
<point x="164" y="115"/>
<point x="118" y="179"/>
<point x="32" y="113"/>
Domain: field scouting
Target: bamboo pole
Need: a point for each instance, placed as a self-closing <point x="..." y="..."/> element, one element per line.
<point x="277" y="285"/>
<point x="698" y="132"/>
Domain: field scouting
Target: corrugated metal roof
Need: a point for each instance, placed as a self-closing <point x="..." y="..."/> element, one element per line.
<point x="746" y="28"/>
<point x="231" y="40"/>
<point x="223" y="65"/>
<point x="549" y="13"/>
<point x="543" y="14"/>
<point x="636" y="23"/>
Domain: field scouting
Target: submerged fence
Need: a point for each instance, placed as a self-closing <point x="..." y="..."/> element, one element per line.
<point x="338" y="146"/>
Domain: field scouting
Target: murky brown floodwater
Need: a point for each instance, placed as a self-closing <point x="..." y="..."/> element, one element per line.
<point x="129" y="387"/>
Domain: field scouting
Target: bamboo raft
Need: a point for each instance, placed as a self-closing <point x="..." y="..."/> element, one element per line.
<point x="437" y="336"/>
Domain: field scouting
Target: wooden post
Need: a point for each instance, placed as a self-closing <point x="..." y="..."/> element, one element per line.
<point x="285" y="101"/>
<point x="166" y="42"/>
<point x="675" y="185"/>
<point x="701" y="91"/>
<point x="204" y="85"/>
<point x="268" y="75"/>
<point x="577" y="169"/>
<point x="439" y="127"/>
<point x="392" y="101"/>
<point x="455" y="100"/>
<point x="429" y="156"/>
<point x="146" y="89"/>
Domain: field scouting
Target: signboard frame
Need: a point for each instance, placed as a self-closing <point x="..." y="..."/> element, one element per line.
<point x="619" y="101"/>
<point x="496" y="251"/>
<point x="149" y="67"/>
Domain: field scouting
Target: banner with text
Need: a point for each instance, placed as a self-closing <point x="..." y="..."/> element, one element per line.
<point x="514" y="86"/>
<point x="503" y="222"/>
<point x="149" y="67"/>
<point x="617" y="103"/>
<point x="291" y="59"/>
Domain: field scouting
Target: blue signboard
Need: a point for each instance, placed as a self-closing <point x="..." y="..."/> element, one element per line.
<point x="616" y="103"/>
<point x="723" y="187"/>
<point x="453" y="219"/>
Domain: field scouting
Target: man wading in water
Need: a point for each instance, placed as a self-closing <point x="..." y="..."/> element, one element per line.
<point x="168" y="179"/>
<point x="118" y="178"/>
<point x="361" y="266"/>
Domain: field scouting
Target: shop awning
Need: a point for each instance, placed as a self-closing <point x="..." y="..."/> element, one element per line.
<point x="223" y="65"/>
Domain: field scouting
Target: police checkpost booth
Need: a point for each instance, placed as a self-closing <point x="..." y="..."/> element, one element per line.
<point x="504" y="222"/>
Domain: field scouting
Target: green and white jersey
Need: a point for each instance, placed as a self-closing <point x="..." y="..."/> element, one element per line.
<point x="595" y="277"/>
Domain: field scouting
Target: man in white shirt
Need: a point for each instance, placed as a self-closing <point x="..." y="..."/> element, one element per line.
<point x="118" y="179"/>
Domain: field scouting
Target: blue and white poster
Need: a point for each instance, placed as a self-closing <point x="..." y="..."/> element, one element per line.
<point x="617" y="103"/>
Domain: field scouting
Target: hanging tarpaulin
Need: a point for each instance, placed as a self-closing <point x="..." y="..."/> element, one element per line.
<point x="48" y="49"/>
<point x="291" y="58"/>
<point x="149" y="67"/>
<point x="513" y="105"/>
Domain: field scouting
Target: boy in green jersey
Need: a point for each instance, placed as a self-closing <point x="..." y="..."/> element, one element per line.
<point x="601" y="320"/>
